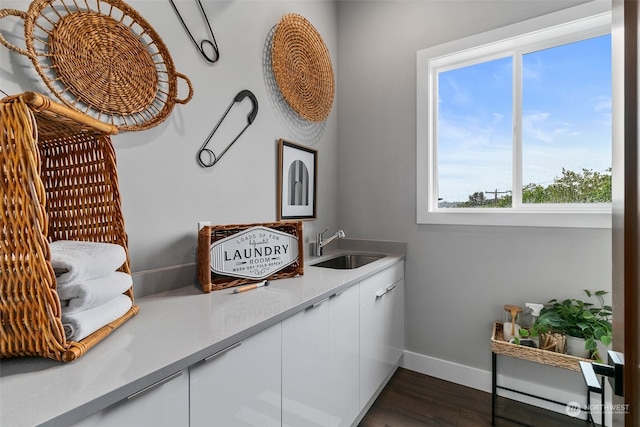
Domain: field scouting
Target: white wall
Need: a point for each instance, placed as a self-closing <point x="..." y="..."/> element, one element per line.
<point x="457" y="277"/>
<point x="164" y="191"/>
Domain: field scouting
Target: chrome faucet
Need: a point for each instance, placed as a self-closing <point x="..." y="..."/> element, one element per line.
<point x="321" y="243"/>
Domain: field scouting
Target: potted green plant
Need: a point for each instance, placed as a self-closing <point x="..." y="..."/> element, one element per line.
<point x="578" y="319"/>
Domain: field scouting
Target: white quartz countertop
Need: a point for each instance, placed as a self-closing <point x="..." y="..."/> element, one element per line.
<point x="173" y="330"/>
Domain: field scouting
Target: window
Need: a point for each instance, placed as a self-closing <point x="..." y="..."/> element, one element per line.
<point x="514" y="128"/>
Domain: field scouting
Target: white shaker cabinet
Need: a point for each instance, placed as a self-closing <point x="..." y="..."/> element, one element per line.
<point x="381" y="328"/>
<point x="239" y="386"/>
<point x="163" y="404"/>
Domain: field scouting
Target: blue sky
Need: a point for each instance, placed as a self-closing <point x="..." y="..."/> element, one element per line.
<point x="566" y="118"/>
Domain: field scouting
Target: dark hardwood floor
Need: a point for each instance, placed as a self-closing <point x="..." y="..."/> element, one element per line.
<point x="413" y="399"/>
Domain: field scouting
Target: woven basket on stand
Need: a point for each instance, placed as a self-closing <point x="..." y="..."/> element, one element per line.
<point x="545" y="357"/>
<point x="59" y="182"/>
<point x="101" y="58"/>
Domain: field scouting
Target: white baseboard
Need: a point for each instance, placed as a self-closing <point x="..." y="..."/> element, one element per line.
<point x="481" y="380"/>
<point x="448" y="371"/>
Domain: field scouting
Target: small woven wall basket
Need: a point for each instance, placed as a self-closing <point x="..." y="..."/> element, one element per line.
<point x="101" y="58"/>
<point x="302" y="68"/>
<point x="210" y="234"/>
<point x="59" y="182"/>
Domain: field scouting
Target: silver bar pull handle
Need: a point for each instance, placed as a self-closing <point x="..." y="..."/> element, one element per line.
<point x="319" y="303"/>
<point x="223" y="351"/>
<point x="154" y="385"/>
<point x="381" y="293"/>
<point x="339" y="293"/>
<point x="391" y="287"/>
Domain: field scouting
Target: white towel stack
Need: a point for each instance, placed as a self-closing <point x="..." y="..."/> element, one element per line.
<point x="89" y="286"/>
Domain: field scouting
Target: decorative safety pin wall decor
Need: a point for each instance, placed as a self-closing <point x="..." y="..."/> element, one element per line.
<point x="212" y="43"/>
<point x="210" y="158"/>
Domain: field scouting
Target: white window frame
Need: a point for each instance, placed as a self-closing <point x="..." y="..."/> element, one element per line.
<point x="563" y="27"/>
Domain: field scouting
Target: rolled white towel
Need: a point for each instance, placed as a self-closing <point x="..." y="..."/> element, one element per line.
<point x="83" y="323"/>
<point x="84" y="294"/>
<point x="78" y="260"/>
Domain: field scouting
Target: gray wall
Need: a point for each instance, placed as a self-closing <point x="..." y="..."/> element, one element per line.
<point x="164" y="191"/>
<point x="457" y="277"/>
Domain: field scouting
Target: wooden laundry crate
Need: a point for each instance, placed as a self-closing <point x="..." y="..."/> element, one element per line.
<point x="211" y="235"/>
<point x="58" y="182"/>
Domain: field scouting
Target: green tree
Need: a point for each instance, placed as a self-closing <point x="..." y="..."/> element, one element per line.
<point x="476" y="199"/>
<point x="534" y="193"/>
<point x="586" y="186"/>
<point x="504" y="201"/>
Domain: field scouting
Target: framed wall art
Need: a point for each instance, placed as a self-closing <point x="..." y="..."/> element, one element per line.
<point x="297" y="181"/>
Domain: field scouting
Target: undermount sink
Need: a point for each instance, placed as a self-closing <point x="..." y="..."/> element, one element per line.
<point x="349" y="261"/>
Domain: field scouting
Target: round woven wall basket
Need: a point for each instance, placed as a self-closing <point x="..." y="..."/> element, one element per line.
<point x="302" y="68"/>
<point x="102" y="59"/>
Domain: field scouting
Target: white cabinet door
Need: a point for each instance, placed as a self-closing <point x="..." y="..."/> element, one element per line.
<point x="320" y="360"/>
<point x="381" y="340"/>
<point x="164" y="404"/>
<point x="394" y="306"/>
<point x="241" y="386"/>
<point x="344" y="357"/>
<point x="372" y="339"/>
<point x="305" y="367"/>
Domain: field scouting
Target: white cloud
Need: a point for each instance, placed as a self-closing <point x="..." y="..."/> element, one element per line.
<point x="460" y="98"/>
<point x="539" y="127"/>
<point x="602" y="104"/>
<point x="532" y="124"/>
<point x="532" y="70"/>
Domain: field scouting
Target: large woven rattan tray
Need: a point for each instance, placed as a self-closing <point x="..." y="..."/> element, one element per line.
<point x="302" y="68"/>
<point x="545" y="357"/>
<point x="101" y="58"/>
